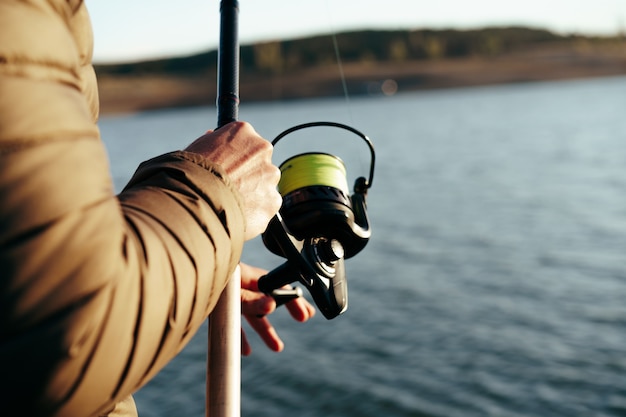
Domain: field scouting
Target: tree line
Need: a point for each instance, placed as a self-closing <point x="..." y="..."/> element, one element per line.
<point x="366" y="46"/>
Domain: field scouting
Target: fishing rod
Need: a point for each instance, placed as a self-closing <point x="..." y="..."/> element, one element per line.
<point x="319" y="225"/>
<point x="223" y="379"/>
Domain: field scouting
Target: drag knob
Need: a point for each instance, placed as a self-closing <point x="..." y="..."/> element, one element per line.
<point x="330" y="251"/>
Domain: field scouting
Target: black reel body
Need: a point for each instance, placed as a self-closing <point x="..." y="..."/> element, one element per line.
<point x="323" y="211"/>
<point x="318" y="226"/>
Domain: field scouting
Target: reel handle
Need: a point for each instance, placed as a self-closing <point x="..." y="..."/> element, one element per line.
<point x="273" y="284"/>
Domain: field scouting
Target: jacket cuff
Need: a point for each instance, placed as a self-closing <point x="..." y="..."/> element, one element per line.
<point x="202" y="176"/>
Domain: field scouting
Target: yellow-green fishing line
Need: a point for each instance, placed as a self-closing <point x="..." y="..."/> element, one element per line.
<point x="312" y="169"/>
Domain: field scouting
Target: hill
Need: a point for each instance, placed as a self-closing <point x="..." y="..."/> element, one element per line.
<point x="373" y="62"/>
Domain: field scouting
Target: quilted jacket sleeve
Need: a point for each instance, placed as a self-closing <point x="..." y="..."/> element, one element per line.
<point x="97" y="291"/>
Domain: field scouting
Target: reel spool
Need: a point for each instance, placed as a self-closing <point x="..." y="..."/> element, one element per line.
<point x="318" y="226"/>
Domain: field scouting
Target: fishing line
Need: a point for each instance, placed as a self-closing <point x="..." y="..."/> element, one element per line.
<point x="312" y="169"/>
<point x="342" y="75"/>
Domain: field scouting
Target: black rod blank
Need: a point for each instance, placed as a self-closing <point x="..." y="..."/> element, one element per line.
<point x="228" y="64"/>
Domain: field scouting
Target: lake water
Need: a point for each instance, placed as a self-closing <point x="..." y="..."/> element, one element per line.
<point x="495" y="280"/>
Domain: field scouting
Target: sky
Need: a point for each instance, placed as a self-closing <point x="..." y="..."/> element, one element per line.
<point x="133" y="30"/>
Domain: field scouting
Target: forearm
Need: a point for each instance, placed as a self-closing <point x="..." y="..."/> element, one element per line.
<point x="96" y="292"/>
<point x="112" y="291"/>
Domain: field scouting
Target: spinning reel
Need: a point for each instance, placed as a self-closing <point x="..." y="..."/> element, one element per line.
<point x="319" y="225"/>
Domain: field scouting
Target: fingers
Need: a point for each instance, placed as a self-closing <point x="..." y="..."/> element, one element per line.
<point x="300" y="309"/>
<point x="256" y="303"/>
<point x="250" y="276"/>
<point x="255" y="306"/>
<point x="265" y="330"/>
<point x="246" y="350"/>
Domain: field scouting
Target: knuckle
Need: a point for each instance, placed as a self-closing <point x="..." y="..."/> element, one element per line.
<point x="265" y="146"/>
<point x="278" y="202"/>
<point x="240" y="125"/>
<point x="276" y="174"/>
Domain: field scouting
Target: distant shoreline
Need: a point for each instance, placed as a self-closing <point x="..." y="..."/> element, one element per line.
<point x="134" y="93"/>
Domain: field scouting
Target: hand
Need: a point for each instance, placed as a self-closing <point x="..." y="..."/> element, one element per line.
<point x="247" y="159"/>
<point x="255" y="306"/>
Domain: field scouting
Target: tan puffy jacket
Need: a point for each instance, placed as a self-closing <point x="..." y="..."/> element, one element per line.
<point x="97" y="292"/>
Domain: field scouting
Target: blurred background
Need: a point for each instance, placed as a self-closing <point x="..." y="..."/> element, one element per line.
<point x="495" y="279"/>
<point x="157" y="54"/>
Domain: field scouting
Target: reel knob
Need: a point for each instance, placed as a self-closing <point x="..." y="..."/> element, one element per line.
<point x="330" y="251"/>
